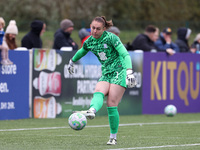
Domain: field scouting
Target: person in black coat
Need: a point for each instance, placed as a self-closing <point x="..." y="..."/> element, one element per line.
<point x="32" y="39"/>
<point x="62" y="36"/>
<point x="146" y="40"/>
<point x="183" y="35"/>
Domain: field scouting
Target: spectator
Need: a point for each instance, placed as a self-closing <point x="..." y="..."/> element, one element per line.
<point x="146" y="41"/>
<point x="32" y="39"/>
<point x="164" y="43"/>
<point x="183" y="34"/>
<point x="10" y="36"/>
<point x="195" y="47"/>
<point x="9" y="41"/>
<point x="3" y="46"/>
<point x="84" y="34"/>
<point x="114" y="30"/>
<point x="62" y="36"/>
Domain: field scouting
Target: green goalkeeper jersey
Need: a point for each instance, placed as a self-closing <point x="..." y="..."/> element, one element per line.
<point x="109" y="50"/>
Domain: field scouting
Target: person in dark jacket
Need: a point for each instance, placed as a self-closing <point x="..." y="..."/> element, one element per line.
<point x="32" y="39"/>
<point x="165" y="44"/>
<point x="62" y="36"/>
<point x="183" y="35"/>
<point x="146" y="41"/>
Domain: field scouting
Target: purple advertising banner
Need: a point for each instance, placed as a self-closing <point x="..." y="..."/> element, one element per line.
<point x="171" y="80"/>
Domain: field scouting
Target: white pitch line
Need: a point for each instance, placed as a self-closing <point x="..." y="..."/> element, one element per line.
<point x="80" y="135"/>
<point x="153" y="147"/>
<point x="27" y="129"/>
<point x="100" y="126"/>
<point x="157" y="123"/>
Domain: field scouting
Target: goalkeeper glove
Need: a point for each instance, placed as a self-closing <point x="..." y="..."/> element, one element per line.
<point x="71" y="67"/>
<point x="130" y="79"/>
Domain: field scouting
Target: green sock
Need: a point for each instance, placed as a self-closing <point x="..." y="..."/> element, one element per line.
<point x="113" y="116"/>
<point x="97" y="101"/>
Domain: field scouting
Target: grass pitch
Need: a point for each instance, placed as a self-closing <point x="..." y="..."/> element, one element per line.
<point x="181" y="132"/>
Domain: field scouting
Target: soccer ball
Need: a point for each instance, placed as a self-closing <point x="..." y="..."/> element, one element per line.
<point x="77" y="121"/>
<point x="170" y="110"/>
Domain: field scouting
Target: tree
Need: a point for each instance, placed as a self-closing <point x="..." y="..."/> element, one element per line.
<point x="124" y="13"/>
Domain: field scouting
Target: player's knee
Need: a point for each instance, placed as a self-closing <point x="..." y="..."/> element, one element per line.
<point x="112" y="103"/>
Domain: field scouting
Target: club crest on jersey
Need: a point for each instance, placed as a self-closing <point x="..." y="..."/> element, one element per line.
<point x="117" y="43"/>
<point x="102" y="56"/>
<point x="105" y="45"/>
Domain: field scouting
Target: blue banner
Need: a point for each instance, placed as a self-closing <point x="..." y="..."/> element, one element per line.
<point x="14" y="87"/>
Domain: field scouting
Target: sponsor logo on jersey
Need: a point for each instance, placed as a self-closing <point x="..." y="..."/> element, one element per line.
<point x="102" y="56"/>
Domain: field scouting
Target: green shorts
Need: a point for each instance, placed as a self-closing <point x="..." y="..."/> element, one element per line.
<point x="115" y="77"/>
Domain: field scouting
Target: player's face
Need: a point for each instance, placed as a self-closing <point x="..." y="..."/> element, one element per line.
<point x="97" y="29"/>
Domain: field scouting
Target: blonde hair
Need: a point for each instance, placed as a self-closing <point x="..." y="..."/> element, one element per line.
<point x="103" y="20"/>
<point x="197" y="38"/>
<point x="2" y="22"/>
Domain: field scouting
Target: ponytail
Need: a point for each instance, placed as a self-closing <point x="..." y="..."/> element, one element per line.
<point x="108" y="24"/>
<point x="103" y="20"/>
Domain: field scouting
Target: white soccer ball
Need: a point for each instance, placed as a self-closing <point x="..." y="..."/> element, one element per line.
<point x="170" y="110"/>
<point x="77" y="121"/>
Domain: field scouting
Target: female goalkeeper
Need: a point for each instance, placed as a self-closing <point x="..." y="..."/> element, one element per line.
<point x="117" y="72"/>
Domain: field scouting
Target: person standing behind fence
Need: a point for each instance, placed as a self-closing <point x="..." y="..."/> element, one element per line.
<point x="146" y="40"/>
<point x="3" y="46"/>
<point x="84" y="34"/>
<point x="195" y="47"/>
<point x="183" y="34"/>
<point x="10" y="38"/>
<point x="10" y="35"/>
<point x="114" y="30"/>
<point x="62" y="36"/>
<point x="32" y="39"/>
<point x="165" y="44"/>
